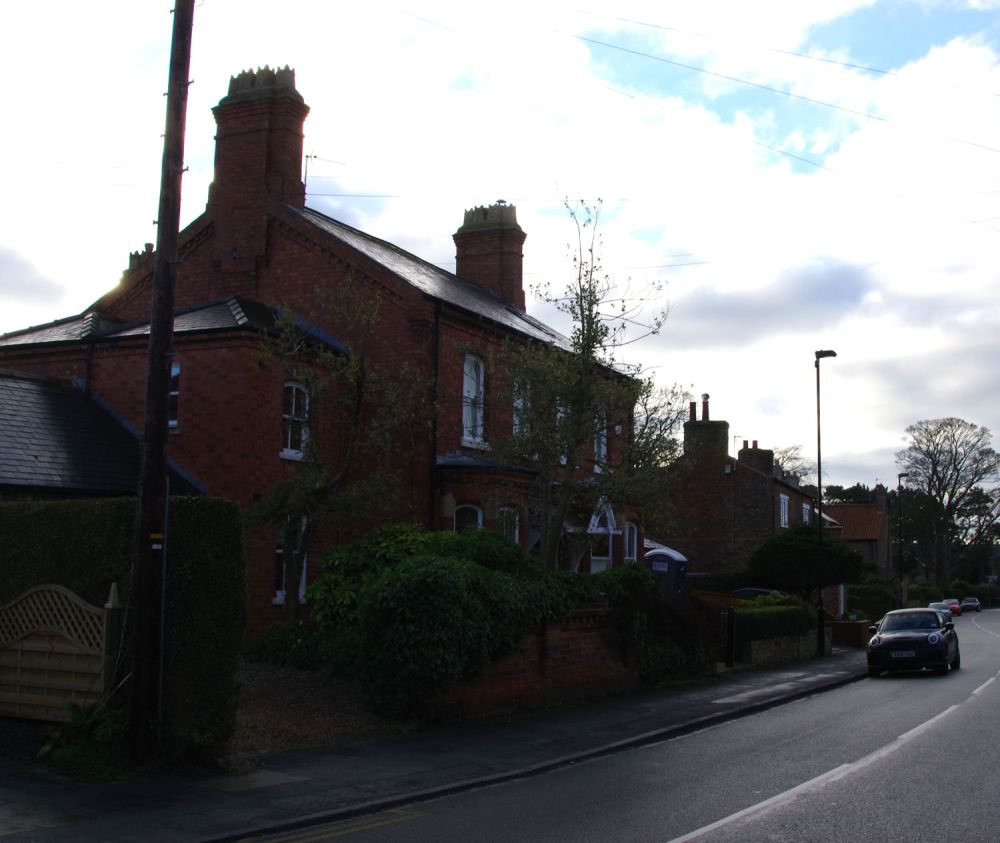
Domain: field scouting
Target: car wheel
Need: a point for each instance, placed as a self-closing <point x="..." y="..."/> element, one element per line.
<point x="957" y="663"/>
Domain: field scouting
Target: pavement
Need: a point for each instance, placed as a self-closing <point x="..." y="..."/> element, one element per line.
<point x="299" y="789"/>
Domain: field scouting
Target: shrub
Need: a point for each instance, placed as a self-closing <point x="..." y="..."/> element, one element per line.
<point x="773" y="621"/>
<point x="85" y="545"/>
<point x="425" y="624"/>
<point x="92" y="746"/>
<point x="664" y="635"/>
<point x="872" y="600"/>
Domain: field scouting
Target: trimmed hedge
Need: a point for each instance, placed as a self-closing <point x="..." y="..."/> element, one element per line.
<point x="85" y="545"/>
<point x="872" y="600"/>
<point x="756" y="623"/>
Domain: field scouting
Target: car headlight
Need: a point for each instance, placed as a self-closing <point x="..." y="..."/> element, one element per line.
<point x="933" y="638"/>
<point x="873" y="644"/>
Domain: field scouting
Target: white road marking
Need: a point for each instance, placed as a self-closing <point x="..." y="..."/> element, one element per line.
<point x="818" y="782"/>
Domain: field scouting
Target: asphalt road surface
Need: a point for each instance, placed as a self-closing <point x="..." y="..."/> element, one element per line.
<point x="907" y="757"/>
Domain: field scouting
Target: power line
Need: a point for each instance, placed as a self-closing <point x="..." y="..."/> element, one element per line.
<point x="769" y="89"/>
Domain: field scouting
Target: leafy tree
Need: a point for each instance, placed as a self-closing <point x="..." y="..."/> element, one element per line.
<point x="591" y="432"/>
<point x="794" y="560"/>
<point x="952" y="462"/>
<point x="357" y="412"/>
<point x="858" y="493"/>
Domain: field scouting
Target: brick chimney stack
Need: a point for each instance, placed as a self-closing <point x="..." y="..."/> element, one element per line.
<point x="488" y="251"/>
<point x="761" y="459"/>
<point x="258" y="160"/>
<point x="703" y="438"/>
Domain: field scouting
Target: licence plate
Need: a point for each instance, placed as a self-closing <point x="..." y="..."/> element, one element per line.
<point x="903" y="654"/>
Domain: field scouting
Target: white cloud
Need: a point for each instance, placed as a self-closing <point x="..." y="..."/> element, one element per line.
<point x="887" y="254"/>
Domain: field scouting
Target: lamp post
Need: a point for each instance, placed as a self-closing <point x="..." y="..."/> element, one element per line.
<point x="899" y="515"/>
<point x="820" y="626"/>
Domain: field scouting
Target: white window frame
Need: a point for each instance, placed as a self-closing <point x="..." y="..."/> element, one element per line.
<point x="602" y="523"/>
<point x="519" y="413"/>
<point x="783" y="510"/>
<point x="805" y="513"/>
<point x="467" y="507"/>
<point x="509" y="521"/>
<point x="600" y="441"/>
<point x="298" y="417"/>
<point x="561" y="413"/>
<point x="279" y="565"/>
<point x="174" y="397"/>
<point x="630" y="541"/>
<point x="473" y="395"/>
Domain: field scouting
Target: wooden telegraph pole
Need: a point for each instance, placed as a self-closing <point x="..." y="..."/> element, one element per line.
<point x="150" y="558"/>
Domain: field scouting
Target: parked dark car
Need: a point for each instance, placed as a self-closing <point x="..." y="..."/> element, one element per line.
<point x="954" y="605"/>
<point x="913" y="639"/>
<point x="971" y="604"/>
<point x="943" y="608"/>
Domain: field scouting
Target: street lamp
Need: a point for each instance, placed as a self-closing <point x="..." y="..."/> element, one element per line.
<point x="820" y="630"/>
<point x="899" y="515"/>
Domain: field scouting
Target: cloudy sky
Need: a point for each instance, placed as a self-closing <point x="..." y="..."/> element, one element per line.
<point x="800" y="174"/>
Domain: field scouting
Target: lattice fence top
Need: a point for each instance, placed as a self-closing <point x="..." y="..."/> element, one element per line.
<point x="52" y="608"/>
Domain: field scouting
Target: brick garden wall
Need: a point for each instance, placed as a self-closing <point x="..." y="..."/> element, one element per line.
<point x="579" y="657"/>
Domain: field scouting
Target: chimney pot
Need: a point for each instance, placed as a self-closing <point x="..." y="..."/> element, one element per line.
<point x="704" y="406"/>
<point x="745" y="443"/>
<point x="755" y="443"/>
<point x="693" y="412"/>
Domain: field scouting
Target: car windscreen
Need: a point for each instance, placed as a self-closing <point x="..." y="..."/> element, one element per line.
<point x="911" y="620"/>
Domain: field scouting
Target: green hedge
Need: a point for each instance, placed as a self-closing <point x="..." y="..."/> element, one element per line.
<point x="86" y="545"/>
<point x="756" y="623"/>
<point x="872" y="600"/>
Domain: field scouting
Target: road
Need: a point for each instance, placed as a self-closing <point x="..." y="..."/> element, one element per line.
<point x="909" y="757"/>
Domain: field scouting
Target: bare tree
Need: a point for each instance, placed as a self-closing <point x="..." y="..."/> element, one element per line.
<point x="591" y="431"/>
<point x="953" y="463"/>
<point x="790" y="460"/>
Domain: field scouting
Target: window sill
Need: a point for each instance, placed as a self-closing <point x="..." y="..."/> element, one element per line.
<point x="288" y="454"/>
<point x="279" y="599"/>
<point x="478" y="444"/>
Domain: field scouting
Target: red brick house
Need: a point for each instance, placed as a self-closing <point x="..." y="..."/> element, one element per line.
<point x="721" y="508"/>
<point x="865" y="528"/>
<point x="237" y="426"/>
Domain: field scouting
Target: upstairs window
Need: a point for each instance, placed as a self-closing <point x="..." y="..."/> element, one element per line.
<point x="294" y="421"/>
<point x="473" y="378"/>
<point x="520" y="412"/>
<point x="600" y="441"/>
<point x="783" y="510"/>
<point x="174" y="395"/>
<point x="805" y="513"/>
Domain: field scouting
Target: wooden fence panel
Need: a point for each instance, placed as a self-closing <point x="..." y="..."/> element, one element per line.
<point x="51" y="654"/>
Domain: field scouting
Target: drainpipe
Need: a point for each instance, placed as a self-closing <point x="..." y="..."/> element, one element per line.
<point x="434" y="477"/>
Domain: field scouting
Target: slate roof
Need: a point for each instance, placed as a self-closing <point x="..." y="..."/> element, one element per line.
<point x="434" y="281"/>
<point x="230" y="313"/>
<point x="54" y="437"/>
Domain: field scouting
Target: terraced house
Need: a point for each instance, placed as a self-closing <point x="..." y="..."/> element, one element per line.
<point x="248" y="404"/>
